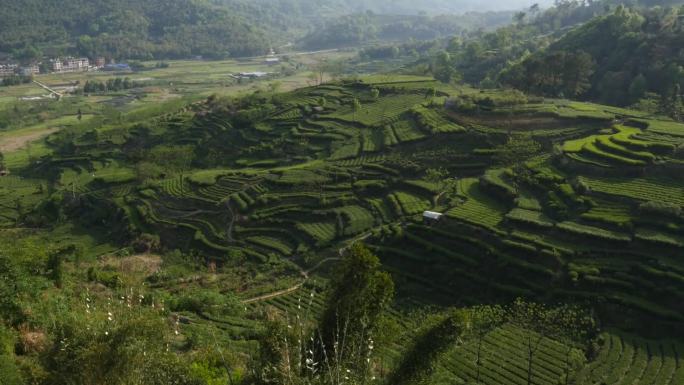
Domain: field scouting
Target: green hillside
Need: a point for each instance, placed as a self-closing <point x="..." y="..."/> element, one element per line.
<point x="549" y="200"/>
<point x="164" y="29"/>
<point x="612" y="52"/>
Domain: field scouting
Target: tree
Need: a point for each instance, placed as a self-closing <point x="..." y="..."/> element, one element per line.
<point x="438" y="177"/>
<point x="2" y="161"/>
<point x="360" y="293"/>
<point x="539" y="322"/>
<point x="431" y="93"/>
<point x="638" y="87"/>
<point x="520" y="17"/>
<point x="575" y="325"/>
<point x="276" y="354"/>
<point x="516" y="152"/>
<point x="356" y="107"/>
<point x="10" y="307"/>
<point x="173" y="159"/>
<point x="375" y="93"/>
<point x="576" y="73"/>
<point x="442" y="67"/>
<point x="676" y="112"/>
<point x="28" y="54"/>
<point x="484" y="320"/>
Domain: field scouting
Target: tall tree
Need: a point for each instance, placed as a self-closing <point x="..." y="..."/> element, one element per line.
<point x="638" y="87"/>
<point x="361" y="292"/>
<point x="484" y="319"/>
<point x="538" y="323"/>
<point x="576" y="73"/>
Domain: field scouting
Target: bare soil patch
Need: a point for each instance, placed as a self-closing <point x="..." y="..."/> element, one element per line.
<point x="17" y="142"/>
<point x="142" y="263"/>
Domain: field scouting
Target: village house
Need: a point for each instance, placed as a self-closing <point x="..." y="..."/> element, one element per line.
<point x="271" y="58"/>
<point x="250" y="75"/>
<point x="7" y="70"/>
<point x="271" y="61"/>
<point x="29" y="70"/>
<point x="431" y="217"/>
<point x="70" y="64"/>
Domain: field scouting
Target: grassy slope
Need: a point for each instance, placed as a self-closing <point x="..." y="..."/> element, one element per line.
<point x="306" y="200"/>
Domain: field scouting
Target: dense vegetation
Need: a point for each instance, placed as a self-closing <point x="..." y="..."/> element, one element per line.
<point x="212" y="29"/>
<point x="624" y="56"/>
<point x="152" y="234"/>
<point x="358" y="29"/>
<point x="545" y="199"/>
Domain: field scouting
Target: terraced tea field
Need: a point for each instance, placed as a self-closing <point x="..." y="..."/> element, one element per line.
<point x="273" y="187"/>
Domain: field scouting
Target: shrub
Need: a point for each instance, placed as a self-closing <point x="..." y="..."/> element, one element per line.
<point x="107" y="278"/>
<point x="9" y="373"/>
<point x="205" y="301"/>
<point x="660" y="208"/>
<point x="146" y="243"/>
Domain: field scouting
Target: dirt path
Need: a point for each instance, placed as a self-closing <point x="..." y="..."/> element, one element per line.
<point x="305" y="274"/>
<point x="17" y="142"/>
<point x="279" y="293"/>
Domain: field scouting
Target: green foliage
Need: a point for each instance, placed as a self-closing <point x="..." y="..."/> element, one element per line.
<point x="15" y="80"/>
<point x="545" y="55"/>
<point x="122" y="351"/>
<point x="205" y="301"/>
<point x="111" y="85"/>
<point x="539" y="321"/>
<point x="360" y="294"/>
<point x="135" y="29"/>
<point x="517" y="150"/>
<point x="555" y="74"/>
<point x="9" y="372"/>
<point x="288" y="187"/>
<point x="173" y="159"/>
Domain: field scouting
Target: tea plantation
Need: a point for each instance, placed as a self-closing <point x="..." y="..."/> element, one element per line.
<point x="589" y="211"/>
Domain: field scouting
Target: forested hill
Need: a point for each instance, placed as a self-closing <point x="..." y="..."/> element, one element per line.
<point x="603" y="51"/>
<point x="616" y="58"/>
<point x="130" y="28"/>
<point x="406" y="7"/>
<point x="144" y="29"/>
<point x="362" y="28"/>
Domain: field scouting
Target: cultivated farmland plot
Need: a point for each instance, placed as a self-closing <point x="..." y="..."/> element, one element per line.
<point x="284" y="187"/>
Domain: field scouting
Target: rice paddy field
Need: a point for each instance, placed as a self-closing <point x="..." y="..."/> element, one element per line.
<point x="270" y="191"/>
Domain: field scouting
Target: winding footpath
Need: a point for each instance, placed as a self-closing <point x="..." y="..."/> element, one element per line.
<point x="305" y="274"/>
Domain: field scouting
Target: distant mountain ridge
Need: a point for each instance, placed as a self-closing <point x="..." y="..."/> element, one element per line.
<point x="430" y="7"/>
<point x="146" y="29"/>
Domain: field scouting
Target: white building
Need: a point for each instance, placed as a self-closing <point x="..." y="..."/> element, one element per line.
<point x="70" y="64"/>
<point x="430" y="217"/>
<point x="29" y="70"/>
<point x="7" y="70"/>
<point x="271" y="58"/>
